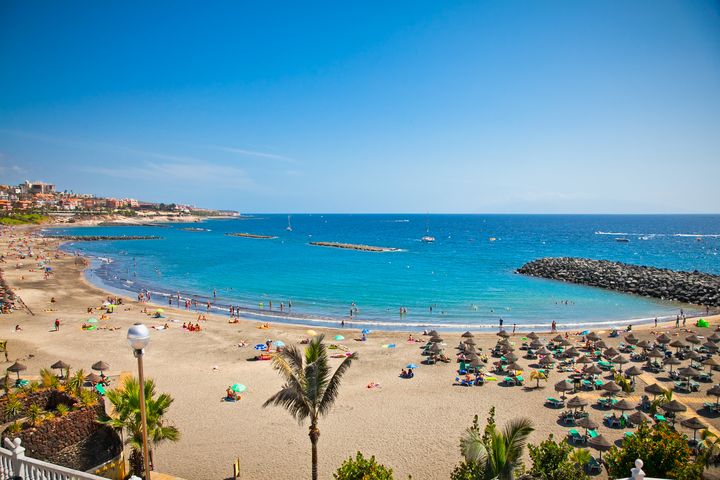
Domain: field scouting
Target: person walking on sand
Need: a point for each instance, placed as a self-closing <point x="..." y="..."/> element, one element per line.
<point x="514" y="328"/>
<point x="57" y="324"/>
<point x="553" y="326"/>
<point x="501" y="323"/>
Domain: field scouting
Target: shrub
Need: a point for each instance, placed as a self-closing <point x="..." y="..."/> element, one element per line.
<point x="13" y="407"/>
<point x="62" y="409"/>
<point x="552" y="461"/>
<point x="14" y="428"/>
<point x="664" y="452"/>
<point x="35" y="414"/>
<point x="361" y="468"/>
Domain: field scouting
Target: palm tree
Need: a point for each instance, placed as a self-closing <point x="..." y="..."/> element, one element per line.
<point x="500" y="452"/>
<point x="537" y="375"/>
<point x="126" y="416"/>
<point x="310" y="387"/>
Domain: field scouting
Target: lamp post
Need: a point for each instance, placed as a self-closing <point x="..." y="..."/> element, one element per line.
<point x="138" y="337"/>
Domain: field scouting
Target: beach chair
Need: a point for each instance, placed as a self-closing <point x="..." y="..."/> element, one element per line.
<point x="593" y="466"/>
<point x="100" y="389"/>
<point x="660" y="418"/>
<point x="628" y="434"/>
<point x="705" y="377"/>
<point x="587" y="385"/>
<point x="519" y="380"/>
<point x="604" y="365"/>
<point x="555" y="403"/>
<point x="575" y="437"/>
<point x="593" y="433"/>
<point x="598" y="384"/>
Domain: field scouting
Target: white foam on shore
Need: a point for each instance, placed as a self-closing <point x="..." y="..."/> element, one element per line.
<point x="690" y="235"/>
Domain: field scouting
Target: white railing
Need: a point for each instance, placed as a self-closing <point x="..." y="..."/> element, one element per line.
<point x="15" y="465"/>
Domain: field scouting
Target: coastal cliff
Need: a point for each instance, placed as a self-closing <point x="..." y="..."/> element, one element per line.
<point x="688" y="287"/>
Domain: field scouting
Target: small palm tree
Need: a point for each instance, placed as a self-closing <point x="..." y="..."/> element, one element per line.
<point x="537" y="375"/>
<point x="126" y="403"/>
<point x="75" y="383"/>
<point x="48" y="379"/>
<point x="500" y="452"/>
<point x="310" y="388"/>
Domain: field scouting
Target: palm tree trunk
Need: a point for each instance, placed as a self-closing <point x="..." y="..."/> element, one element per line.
<point x="314" y="436"/>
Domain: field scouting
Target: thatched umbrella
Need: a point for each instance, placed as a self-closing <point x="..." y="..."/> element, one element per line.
<point x="711" y="362"/>
<point x="533" y="336"/>
<point x="673" y="406"/>
<point x="655" y="353"/>
<point x="633" y="371"/>
<point x="503" y="334"/>
<point x="588" y="424"/>
<point x="93" y="378"/>
<point x="600" y="444"/>
<point x="60" y="365"/>
<point x="611" y="388"/>
<point x="547" y="360"/>
<point x="623" y="405"/>
<point x="644" y="344"/>
<point x="689" y="372"/>
<point x="672" y="361"/>
<point x="678" y="344"/>
<point x="511" y="357"/>
<point x="693" y="339"/>
<point x="611" y="352"/>
<point x="436" y="339"/>
<point x="467" y="334"/>
<point x="571" y="352"/>
<point x="17" y="367"/>
<point x="593" y="370"/>
<point x="577" y="402"/>
<point x="601" y="345"/>
<point x="620" y="360"/>
<point x="470" y="341"/>
<point x="693" y="424"/>
<point x="592" y="336"/>
<point x="710" y="347"/>
<point x="583" y="360"/>
<point x="694" y="355"/>
<point x="663" y="339"/>
<point x="565" y="342"/>
<point x="557" y="338"/>
<point x="514" y="366"/>
<point x="630" y="338"/>
<point x="544" y="351"/>
<point x="638" y="417"/>
<point x="100" y="366"/>
<point x="714" y="337"/>
<point x="564" y="386"/>
<point x="536" y="344"/>
<point x="654" y="389"/>
<point x="715" y="392"/>
<point x="504" y="343"/>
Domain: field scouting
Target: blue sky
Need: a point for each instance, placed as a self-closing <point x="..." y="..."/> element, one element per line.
<point x="482" y="106"/>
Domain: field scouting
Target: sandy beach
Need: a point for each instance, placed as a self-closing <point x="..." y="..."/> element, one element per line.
<point x="412" y="425"/>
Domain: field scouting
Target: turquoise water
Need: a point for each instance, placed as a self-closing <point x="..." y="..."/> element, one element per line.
<point x="467" y="278"/>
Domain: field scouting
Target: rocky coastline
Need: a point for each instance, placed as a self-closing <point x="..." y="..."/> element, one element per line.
<point x="100" y="238"/>
<point x="687" y="287"/>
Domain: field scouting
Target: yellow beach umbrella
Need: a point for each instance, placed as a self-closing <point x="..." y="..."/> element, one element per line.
<point x="312" y="333"/>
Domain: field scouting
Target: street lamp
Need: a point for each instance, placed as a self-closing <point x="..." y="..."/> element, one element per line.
<point x="138" y="337"/>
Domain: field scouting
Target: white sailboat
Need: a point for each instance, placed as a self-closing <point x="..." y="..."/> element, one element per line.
<point x="289" y="227"/>
<point x="427" y="238"/>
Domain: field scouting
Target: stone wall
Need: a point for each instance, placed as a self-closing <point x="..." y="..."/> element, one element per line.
<point x="688" y="287"/>
<point x="47" y="400"/>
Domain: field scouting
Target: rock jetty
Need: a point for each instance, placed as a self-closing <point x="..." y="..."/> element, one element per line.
<point x="688" y="287"/>
<point x="353" y="246"/>
<point x="100" y="238"/>
<point x="250" y="235"/>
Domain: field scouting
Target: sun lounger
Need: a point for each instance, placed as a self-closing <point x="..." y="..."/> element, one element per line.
<point x="660" y="418"/>
<point x="575" y="437"/>
<point x="628" y="434"/>
<point x="605" y="365"/>
<point x="100" y="389"/>
<point x="593" y="433"/>
<point x="555" y="403"/>
<point x="594" y="466"/>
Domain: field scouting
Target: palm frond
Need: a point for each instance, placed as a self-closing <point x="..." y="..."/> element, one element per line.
<point x="516" y="433"/>
<point x="293" y="400"/>
<point x="333" y="386"/>
<point x="472" y="447"/>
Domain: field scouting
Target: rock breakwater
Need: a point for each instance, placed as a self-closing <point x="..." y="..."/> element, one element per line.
<point x="688" y="287"/>
<point x="353" y="246"/>
<point x="100" y="238"/>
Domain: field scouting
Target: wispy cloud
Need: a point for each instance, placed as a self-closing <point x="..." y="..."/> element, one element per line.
<point x="252" y="153"/>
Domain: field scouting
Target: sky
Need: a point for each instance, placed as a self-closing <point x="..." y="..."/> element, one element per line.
<point x="408" y="106"/>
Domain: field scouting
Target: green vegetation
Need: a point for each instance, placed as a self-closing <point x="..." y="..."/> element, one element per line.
<point x="126" y="416"/>
<point x="664" y="451"/>
<point x="23" y="219"/>
<point x="310" y="387"/>
<point x="557" y="461"/>
<point x="361" y="468"/>
<point x="495" y="454"/>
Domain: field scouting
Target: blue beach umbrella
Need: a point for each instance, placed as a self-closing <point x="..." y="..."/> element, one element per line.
<point x="339" y="337"/>
<point x="365" y="331"/>
<point x="411" y="365"/>
<point x="279" y="343"/>
<point x="260" y="346"/>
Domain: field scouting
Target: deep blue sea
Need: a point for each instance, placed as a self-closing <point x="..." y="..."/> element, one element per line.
<point x="466" y="277"/>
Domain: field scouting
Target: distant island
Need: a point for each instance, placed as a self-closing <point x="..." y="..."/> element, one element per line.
<point x="250" y="235"/>
<point x="353" y="246"/>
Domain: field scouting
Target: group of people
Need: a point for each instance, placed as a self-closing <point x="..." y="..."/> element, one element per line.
<point x="191" y="328"/>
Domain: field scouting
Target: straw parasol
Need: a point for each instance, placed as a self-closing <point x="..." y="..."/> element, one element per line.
<point x="514" y="366"/>
<point x="577" y="402"/>
<point x="715" y="392"/>
<point x="436" y="339"/>
<point x="638" y="417"/>
<point x="504" y="343"/>
<point x="564" y="386"/>
<point x="536" y="344"/>
<point x="655" y="389"/>
<point x="433" y="333"/>
<point x="678" y="344"/>
<point x="544" y="351"/>
<point x="601" y="345"/>
<point x="689" y="372"/>
<point x="565" y="342"/>
<point x="571" y="352"/>
<point x="633" y="371"/>
<point x="503" y="334"/>
<point x="593" y="370"/>
<point x="694" y="355"/>
<point x="600" y="444"/>
<point x="673" y="406"/>
<point x="611" y="388"/>
<point x="547" y="360"/>
<point x="630" y="338"/>
<point x="644" y="344"/>
<point x="710" y="346"/>
<point x="533" y="336"/>
<point x="592" y="336"/>
<point x="470" y="341"/>
<point x="663" y="339"/>
<point x="693" y="424"/>
<point x="620" y="360"/>
<point x="93" y="378"/>
<point x="583" y="360"/>
<point x="711" y="362"/>
<point x="588" y="424"/>
<point x="60" y="365"/>
<point x="467" y="334"/>
<point x="672" y="361"/>
<point x="557" y="338"/>
<point x="624" y="404"/>
<point x="511" y="357"/>
<point x="100" y="366"/>
<point x="17" y="367"/>
<point x="611" y="352"/>
<point x="655" y="353"/>
<point x="714" y="337"/>
<point x="693" y="339"/>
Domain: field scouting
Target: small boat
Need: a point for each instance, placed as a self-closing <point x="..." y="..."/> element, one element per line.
<point x="289" y="227"/>
<point x="698" y="239"/>
<point x="622" y="240"/>
<point x="428" y="239"/>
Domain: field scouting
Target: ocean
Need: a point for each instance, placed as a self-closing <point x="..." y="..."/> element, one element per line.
<point x="464" y="280"/>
